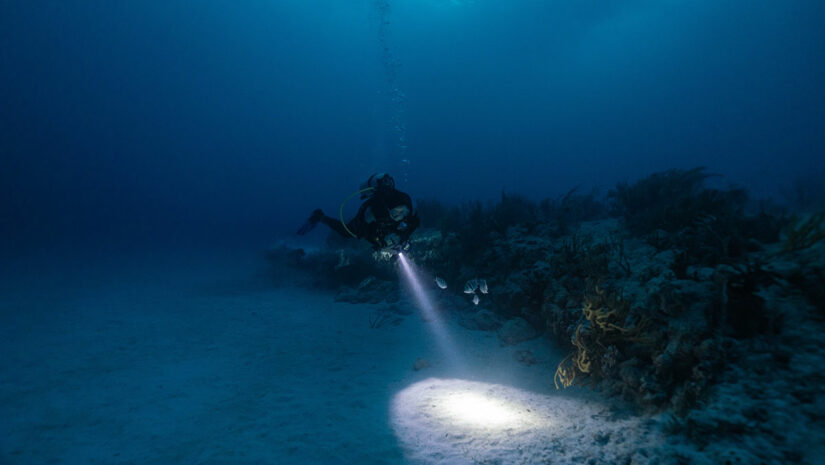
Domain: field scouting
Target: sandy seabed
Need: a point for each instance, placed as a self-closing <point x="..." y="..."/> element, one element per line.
<point x="204" y="361"/>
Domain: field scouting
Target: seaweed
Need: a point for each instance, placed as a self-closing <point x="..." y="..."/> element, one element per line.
<point x="766" y="224"/>
<point x="675" y="210"/>
<point x="801" y="234"/>
<point x="744" y="309"/>
<point x="806" y="193"/>
<point x="380" y="318"/>
<point x="483" y="222"/>
<point x="432" y="213"/>
<point x="616" y="244"/>
<point x="581" y="257"/>
<point x="571" y="209"/>
<point x="512" y="210"/>
<point x="664" y="200"/>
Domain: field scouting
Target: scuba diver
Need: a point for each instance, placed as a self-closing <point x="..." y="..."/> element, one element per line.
<point x="385" y="219"/>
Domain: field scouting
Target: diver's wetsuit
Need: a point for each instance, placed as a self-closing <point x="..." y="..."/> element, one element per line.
<point x="373" y="221"/>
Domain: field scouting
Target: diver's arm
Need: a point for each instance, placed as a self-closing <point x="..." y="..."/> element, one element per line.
<point x="336" y="225"/>
<point x="412" y="224"/>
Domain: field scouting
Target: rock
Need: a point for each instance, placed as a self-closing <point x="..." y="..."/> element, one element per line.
<point x="665" y="257"/>
<point x="723" y="273"/>
<point x="785" y="269"/>
<point x="525" y="356"/>
<point x="557" y="319"/>
<point x="629" y="373"/>
<point x="482" y="320"/>
<point x="660" y="265"/>
<point x="346" y="294"/>
<point x="420" y="364"/>
<point x="486" y="320"/>
<point x="610" y="359"/>
<point x="700" y="273"/>
<point x="343" y="260"/>
<point x="370" y="290"/>
<point x="399" y="309"/>
<point x="512" y="298"/>
<point x="515" y="331"/>
<point x="295" y="256"/>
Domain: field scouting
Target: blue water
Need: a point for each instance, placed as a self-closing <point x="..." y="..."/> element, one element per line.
<point x="185" y="129"/>
<point x="153" y="121"/>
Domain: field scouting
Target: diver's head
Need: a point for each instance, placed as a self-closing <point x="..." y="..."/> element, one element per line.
<point x="378" y="182"/>
<point x="381" y="181"/>
<point x="399" y="213"/>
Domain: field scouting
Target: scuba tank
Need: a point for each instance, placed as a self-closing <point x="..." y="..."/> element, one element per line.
<point x="377" y="182"/>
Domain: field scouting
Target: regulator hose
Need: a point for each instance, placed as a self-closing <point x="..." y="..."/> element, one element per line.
<point x="341" y="208"/>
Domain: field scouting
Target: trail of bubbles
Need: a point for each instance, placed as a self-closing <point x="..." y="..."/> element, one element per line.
<point x="396" y="97"/>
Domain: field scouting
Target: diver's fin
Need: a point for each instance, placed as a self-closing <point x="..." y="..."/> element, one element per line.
<point x="311" y="222"/>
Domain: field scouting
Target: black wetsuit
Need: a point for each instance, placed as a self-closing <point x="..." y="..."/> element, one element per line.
<point x="374" y="223"/>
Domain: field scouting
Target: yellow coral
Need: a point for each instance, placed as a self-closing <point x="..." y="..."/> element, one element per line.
<point x="565" y="375"/>
<point x="600" y="311"/>
<point x="583" y="363"/>
<point x="599" y="315"/>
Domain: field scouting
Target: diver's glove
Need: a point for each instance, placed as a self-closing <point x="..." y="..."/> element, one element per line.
<point x="311" y="222"/>
<point x="406" y="228"/>
<point x="392" y="244"/>
<point x="392" y="239"/>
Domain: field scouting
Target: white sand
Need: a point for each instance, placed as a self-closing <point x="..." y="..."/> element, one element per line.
<point x="197" y="361"/>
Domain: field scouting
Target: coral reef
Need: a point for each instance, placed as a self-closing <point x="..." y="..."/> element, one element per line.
<point x="671" y="296"/>
<point x="654" y="301"/>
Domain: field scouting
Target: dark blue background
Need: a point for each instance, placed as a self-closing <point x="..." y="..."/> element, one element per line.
<point x="171" y="122"/>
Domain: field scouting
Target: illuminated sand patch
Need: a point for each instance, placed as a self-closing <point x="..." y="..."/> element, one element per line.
<point x="449" y="421"/>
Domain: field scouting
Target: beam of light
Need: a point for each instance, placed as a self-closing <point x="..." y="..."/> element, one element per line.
<point x="429" y="312"/>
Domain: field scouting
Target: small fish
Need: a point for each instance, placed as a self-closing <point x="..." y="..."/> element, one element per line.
<point x="482" y="286"/>
<point x="476" y="300"/>
<point x="440" y="282"/>
<point x="469" y="289"/>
